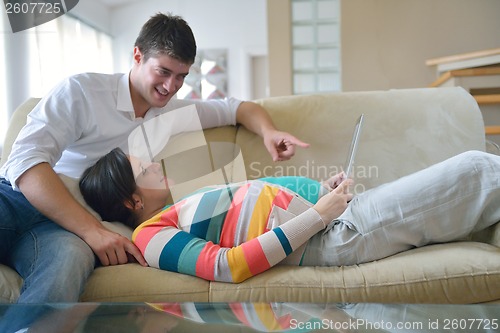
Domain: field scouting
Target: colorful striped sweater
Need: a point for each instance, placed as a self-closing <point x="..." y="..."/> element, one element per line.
<point x="232" y="232"/>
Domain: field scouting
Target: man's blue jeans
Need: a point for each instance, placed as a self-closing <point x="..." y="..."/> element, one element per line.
<point x="53" y="262"/>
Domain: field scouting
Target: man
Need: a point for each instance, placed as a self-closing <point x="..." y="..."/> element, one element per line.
<point x="46" y="235"/>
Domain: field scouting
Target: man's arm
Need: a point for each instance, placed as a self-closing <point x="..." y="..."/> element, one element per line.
<point x="46" y="192"/>
<point x="281" y="145"/>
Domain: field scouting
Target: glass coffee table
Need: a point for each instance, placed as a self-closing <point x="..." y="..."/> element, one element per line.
<point x="248" y="317"/>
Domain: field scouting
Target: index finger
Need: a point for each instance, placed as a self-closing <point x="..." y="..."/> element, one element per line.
<point x="134" y="251"/>
<point x="293" y="140"/>
<point x="343" y="187"/>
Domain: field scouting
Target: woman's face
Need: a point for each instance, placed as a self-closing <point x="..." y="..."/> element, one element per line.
<point x="150" y="180"/>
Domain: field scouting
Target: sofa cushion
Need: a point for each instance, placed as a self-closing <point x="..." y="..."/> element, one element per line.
<point x="461" y="272"/>
<point x="404" y="131"/>
<point x="198" y="159"/>
<point x="10" y="284"/>
<point x="134" y="283"/>
<point x="72" y="186"/>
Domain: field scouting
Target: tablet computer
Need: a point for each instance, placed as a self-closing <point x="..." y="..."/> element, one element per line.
<point x="348" y="167"/>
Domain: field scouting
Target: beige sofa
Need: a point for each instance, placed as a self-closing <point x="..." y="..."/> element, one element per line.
<point x="405" y="130"/>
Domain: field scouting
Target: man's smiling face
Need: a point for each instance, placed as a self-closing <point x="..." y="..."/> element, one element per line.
<point x="156" y="80"/>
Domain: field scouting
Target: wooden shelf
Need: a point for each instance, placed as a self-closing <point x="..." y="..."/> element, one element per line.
<point x="480" y="71"/>
<point x="466" y="60"/>
<point x="463" y="56"/>
<point x="477" y="72"/>
<point x="492" y="130"/>
<point x="487" y="99"/>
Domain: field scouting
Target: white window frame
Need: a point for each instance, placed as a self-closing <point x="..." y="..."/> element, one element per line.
<point x="56" y="49"/>
<point x="310" y="74"/>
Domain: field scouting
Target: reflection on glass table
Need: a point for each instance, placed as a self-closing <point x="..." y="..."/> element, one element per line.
<point x="248" y="317"/>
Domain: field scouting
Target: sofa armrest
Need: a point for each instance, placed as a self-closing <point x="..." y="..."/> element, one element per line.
<point x="17" y="121"/>
<point x="492" y="147"/>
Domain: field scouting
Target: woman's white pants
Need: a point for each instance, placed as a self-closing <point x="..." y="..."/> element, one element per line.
<point x="445" y="202"/>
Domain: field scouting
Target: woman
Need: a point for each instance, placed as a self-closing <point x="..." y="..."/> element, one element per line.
<point x="232" y="232"/>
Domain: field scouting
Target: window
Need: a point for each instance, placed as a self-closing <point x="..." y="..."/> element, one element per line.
<point x="56" y="49"/>
<point x="64" y="47"/>
<point x="3" y="88"/>
<point x="316" y="46"/>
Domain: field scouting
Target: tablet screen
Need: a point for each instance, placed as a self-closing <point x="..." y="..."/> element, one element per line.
<point x="348" y="167"/>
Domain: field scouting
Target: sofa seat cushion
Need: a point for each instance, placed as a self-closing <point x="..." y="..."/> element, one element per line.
<point x="10" y="284"/>
<point x="134" y="283"/>
<point x="461" y="272"/>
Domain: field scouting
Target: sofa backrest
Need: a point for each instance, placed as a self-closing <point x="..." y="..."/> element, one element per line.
<point x="404" y="131"/>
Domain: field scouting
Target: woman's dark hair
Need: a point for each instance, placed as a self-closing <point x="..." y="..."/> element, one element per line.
<point x="169" y="35"/>
<point x="108" y="185"/>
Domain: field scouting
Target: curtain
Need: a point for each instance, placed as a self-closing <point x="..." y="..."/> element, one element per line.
<point x="43" y="56"/>
<point x="3" y="89"/>
<point x="64" y="47"/>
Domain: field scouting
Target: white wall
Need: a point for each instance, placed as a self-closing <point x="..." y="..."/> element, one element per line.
<point x="16" y="50"/>
<point x="94" y="13"/>
<point x="385" y="43"/>
<point x="240" y="26"/>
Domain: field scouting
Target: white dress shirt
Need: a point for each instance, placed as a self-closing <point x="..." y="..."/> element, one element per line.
<point x="85" y="117"/>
